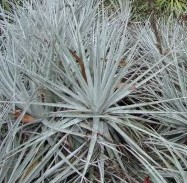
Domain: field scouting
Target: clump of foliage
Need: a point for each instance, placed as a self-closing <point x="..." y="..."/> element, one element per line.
<point x="162" y="8"/>
<point x="88" y="96"/>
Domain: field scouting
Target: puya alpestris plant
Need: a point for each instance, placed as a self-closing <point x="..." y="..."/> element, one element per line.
<point x="169" y="92"/>
<point x="80" y="73"/>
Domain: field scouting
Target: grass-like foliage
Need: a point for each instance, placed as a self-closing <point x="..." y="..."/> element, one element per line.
<point x="86" y="96"/>
<point x="162" y="8"/>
